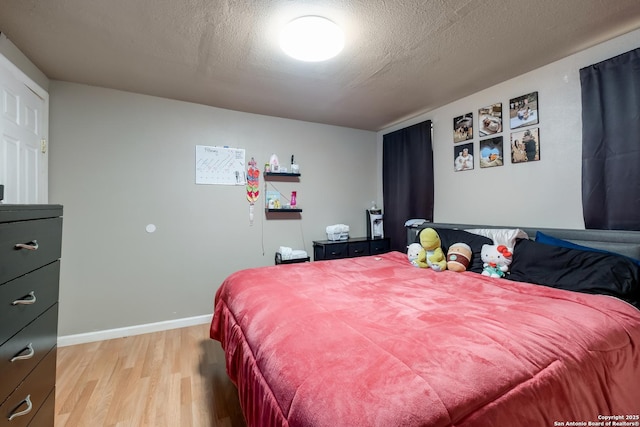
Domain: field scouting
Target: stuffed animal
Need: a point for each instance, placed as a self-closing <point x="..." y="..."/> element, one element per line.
<point x="496" y="260"/>
<point x="430" y="242"/>
<point x="416" y="254"/>
<point x="459" y="257"/>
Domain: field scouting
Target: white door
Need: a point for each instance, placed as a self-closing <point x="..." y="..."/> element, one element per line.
<point x="24" y="109"/>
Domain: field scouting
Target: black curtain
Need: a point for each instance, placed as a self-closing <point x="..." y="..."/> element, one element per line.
<point x="611" y="143"/>
<point x="407" y="180"/>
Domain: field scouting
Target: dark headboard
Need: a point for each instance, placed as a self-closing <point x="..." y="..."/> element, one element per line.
<point x="622" y="242"/>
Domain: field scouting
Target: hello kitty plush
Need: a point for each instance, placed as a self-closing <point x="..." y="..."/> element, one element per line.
<point x="496" y="260"/>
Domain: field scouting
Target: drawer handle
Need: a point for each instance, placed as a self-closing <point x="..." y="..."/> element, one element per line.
<point x="26" y="400"/>
<point x="31" y="246"/>
<point x="21" y="356"/>
<point x="28" y="299"/>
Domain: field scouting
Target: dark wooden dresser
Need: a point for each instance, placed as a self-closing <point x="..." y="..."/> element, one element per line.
<point x="353" y="247"/>
<point x="30" y="248"/>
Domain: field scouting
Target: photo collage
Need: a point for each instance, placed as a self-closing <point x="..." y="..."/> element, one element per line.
<point x="524" y="138"/>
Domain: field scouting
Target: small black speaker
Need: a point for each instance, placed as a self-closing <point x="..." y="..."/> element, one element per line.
<point x="1" y="193"/>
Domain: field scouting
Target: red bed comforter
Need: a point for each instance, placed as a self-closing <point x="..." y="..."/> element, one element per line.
<point x="374" y="341"/>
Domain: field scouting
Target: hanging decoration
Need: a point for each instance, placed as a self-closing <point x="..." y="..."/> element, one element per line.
<point x="253" y="182"/>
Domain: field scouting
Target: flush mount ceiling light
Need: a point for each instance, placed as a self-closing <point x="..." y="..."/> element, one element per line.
<point x="311" y="39"/>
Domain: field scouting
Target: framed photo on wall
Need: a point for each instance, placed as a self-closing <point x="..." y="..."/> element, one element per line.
<point x="463" y="157"/>
<point x="463" y="128"/>
<point x="490" y="119"/>
<point x="525" y="146"/>
<point x="491" y="152"/>
<point x="523" y="110"/>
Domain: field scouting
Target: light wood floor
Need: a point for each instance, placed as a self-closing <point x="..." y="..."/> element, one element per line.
<point x="173" y="378"/>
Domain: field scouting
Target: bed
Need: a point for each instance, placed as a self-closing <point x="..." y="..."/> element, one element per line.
<point x="374" y="341"/>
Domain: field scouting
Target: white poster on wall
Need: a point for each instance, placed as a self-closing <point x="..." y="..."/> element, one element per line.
<point x="220" y="165"/>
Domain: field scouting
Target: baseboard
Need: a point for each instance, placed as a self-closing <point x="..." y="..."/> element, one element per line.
<point x="108" y="334"/>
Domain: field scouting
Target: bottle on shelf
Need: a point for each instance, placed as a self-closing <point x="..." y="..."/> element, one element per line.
<point x="274" y="164"/>
<point x="295" y="168"/>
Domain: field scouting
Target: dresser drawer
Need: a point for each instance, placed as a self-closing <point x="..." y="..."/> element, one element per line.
<point x="46" y="414"/>
<point x="336" y="250"/>
<point x="358" y="249"/>
<point x="33" y="343"/>
<point x="379" y="246"/>
<point x="16" y="261"/>
<point x="37" y="387"/>
<point x="43" y="283"/>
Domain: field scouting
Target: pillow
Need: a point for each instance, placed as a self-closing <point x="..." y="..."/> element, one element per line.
<point x="501" y="236"/>
<point x="449" y="236"/>
<point x="550" y="240"/>
<point x="576" y="270"/>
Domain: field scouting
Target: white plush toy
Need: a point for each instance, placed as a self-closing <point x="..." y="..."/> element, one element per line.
<point x="414" y="251"/>
<point x="496" y="260"/>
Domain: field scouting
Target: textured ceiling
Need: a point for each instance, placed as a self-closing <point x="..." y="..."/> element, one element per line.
<point x="402" y="57"/>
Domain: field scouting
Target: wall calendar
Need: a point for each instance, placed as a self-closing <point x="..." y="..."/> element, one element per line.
<point x="220" y="165"/>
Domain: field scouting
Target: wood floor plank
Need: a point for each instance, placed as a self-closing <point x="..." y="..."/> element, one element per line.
<point x="168" y="378"/>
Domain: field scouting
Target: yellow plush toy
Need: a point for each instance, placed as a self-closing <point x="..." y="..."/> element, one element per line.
<point x="430" y="241"/>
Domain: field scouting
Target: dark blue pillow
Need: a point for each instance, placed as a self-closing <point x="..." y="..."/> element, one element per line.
<point x="550" y="240"/>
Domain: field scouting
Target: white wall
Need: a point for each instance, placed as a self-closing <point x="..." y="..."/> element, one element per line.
<point x="545" y="193"/>
<point x="120" y="161"/>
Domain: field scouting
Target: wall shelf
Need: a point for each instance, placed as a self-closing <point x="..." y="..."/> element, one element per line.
<point x="272" y="174"/>
<point x="282" y="210"/>
<point x="281" y="213"/>
<point x="281" y="177"/>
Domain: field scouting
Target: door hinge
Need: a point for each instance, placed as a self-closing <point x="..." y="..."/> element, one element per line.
<point x="43" y="145"/>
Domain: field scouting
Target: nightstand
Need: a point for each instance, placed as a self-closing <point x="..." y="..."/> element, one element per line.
<point x="279" y="260"/>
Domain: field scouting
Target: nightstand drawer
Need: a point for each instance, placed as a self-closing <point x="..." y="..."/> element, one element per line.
<point x="27" y="348"/>
<point x="40" y="286"/>
<point x="37" y="387"/>
<point x="358" y="249"/>
<point x="27" y="245"/>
